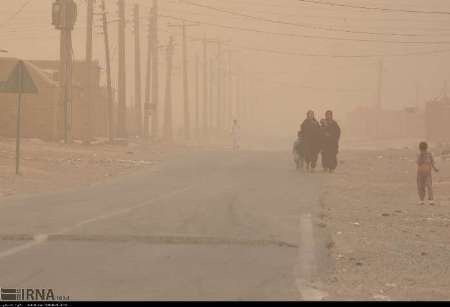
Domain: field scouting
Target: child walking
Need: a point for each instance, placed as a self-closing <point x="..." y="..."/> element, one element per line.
<point x="425" y="165"/>
<point x="299" y="151"/>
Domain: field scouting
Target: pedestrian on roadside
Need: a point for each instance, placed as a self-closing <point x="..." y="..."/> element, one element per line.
<point x="425" y="165"/>
<point x="323" y="127"/>
<point x="330" y="145"/>
<point x="299" y="151"/>
<point x="311" y="133"/>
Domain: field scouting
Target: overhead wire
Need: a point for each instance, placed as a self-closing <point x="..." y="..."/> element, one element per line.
<point x="383" y="9"/>
<point x="295" y="24"/>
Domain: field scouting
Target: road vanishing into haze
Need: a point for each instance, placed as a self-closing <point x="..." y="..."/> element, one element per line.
<point x="202" y="226"/>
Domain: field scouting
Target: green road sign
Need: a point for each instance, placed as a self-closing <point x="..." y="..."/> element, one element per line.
<point x="19" y="82"/>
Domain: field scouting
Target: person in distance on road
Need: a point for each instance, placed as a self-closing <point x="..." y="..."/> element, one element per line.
<point x="425" y="165"/>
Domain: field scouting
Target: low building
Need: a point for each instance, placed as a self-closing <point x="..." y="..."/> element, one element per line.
<point x="39" y="112"/>
<point x="371" y="123"/>
<point x="438" y="120"/>
<point x="43" y="114"/>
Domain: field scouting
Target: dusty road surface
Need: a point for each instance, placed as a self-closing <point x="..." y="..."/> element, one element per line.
<point x="385" y="245"/>
<point x="210" y="225"/>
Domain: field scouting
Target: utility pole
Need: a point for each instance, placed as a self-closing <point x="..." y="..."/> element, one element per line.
<point x="211" y="96"/>
<point x="148" y="78"/>
<point x="90" y="101"/>
<point x="168" y="127"/>
<point x="197" y="96"/>
<point x="64" y="15"/>
<point x="417" y="96"/>
<point x="122" y="107"/>
<point x="207" y="111"/>
<point x="187" y="123"/>
<point x="108" y="74"/>
<point x="205" y="86"/>
<point x="229" y="102"/>
<point x="238" y="111"/>
<point x="379" y="93"/>
<point x="138" y="74"/>
<point x="219" y="88"/>
<point x="187" y="117"/>
<point x="155" y="73"/>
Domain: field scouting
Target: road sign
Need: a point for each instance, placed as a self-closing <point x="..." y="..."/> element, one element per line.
<point x="19" y="82"/>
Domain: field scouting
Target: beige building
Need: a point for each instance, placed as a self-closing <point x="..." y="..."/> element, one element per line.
<point x="371" y="123"/>
<point x="438" y="120"/>
<point x="42" y="115"/>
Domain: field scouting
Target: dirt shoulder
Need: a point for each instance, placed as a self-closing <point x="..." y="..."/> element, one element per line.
<point x="48" y="167"/>
<point x="385" y="246"/>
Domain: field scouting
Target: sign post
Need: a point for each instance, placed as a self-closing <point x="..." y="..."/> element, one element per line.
<point x="19" y="82"/>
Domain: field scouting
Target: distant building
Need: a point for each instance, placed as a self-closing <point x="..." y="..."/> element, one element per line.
<point x="438" y="120"/>
<point x="362" y="123"/>
<point x="39" y="112"/>
<point x="43" y="113"/>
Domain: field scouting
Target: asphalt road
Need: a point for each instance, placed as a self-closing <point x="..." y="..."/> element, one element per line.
<point x="202" y="226"/>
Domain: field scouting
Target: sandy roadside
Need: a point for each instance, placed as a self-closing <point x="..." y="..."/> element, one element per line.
<point x="385" y="246"/>
<point x="47" y="167"/>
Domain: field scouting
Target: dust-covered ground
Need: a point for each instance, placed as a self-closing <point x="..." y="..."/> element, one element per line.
<point x="386" y="246"/>
<point x="47" y="167"/>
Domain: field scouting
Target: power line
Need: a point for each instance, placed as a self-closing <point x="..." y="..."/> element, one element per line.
<point x="15" y="14"/>
<point x="306" y="35"/>
<point x="362" y="56"/>
<point x="375" y="8"/>
<point x="309" y="26"/>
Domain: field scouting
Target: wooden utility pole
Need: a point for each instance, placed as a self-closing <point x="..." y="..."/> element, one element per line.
<point x="211" y="96"/>
<point x="205" y="86"/>
<point x="122" y="107"/>
<point x="197" y="96"/>
<point x="64" y="21"/>
<point x="238" y="108"/>
<point x="155" y="73"/>
<point x="379" y="92"/>
<point x="88" y="71"/>
<point x="229" y="102"/>
<point x="187" y="116"/>
<point x="187" y="122"/>
<point x="168" y="126"/>
<point x="219" y="106"/>
<point x="137" y="67"/>
<point x="108" y="74"/>
<point x="148" y="78"/>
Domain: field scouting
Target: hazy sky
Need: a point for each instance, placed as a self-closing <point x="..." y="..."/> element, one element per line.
<point x="288" y="83"/>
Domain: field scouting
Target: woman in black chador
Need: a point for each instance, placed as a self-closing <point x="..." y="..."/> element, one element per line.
<point x="330" y="143"/>
<point x="312" y="140"/>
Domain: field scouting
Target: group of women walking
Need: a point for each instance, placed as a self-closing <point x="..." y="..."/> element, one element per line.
<point x="320" y="138"/>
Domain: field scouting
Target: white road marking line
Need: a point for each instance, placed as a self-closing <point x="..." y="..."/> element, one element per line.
<point x="42" y="238"/>
<point x="306" y="265"/>
<point x="39" y="239"/>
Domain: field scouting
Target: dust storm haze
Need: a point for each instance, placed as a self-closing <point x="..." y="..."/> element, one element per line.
<point x="160" y="168"/>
